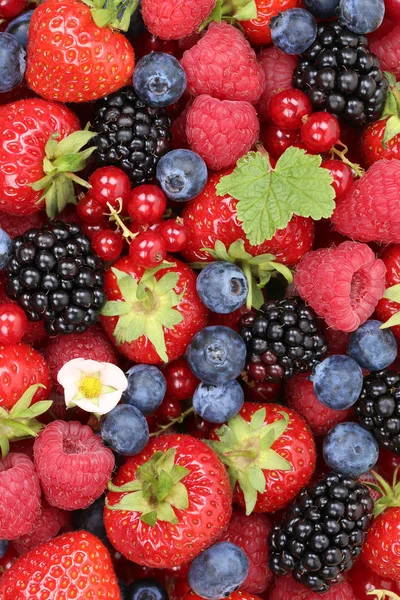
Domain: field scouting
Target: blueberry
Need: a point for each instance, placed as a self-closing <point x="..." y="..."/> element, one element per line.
<point x="216" y="355"/>
<point x="3" y="547"/>
<point x="182" y="175"/>
<point x="322" y="9"/>
<point x="218" y="403"/>
<point x="373" y="348"/>
<point x="294" y="30"/>
<point x="5" y="248"/>
<point x="350" y="449"/>
<point x="362" y="16"/>
<point x="222" y="287"/>
<point x="92" y="520"/>
<point x="12" y="62"/>
<point x="19" y="27"/>
<point x="147" y="589"/>
<point x="125" y="430"/>
<point x="159" y="79"/>
<point x="338" y="381"/>
<point x="146" y="388"/>
<point x="218" y="571"/>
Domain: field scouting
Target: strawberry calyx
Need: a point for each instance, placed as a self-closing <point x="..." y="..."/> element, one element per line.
<point x="156" y="491"/>
<point x="391" y="111"/>
<point x="389" y="494"/>
<point x="147" y="307"/>
<point x="245" y="449"/>
<point x="112" y="13"/>
<point x="392" y="293"/>
<point x="62" y="160"/>
<point x="231" y="11"/>
<point x="258" y="270"/>
<point x="20" y="422"/>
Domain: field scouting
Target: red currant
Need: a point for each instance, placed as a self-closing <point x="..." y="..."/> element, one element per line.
<point x="170" y="409"/>
<point x="146" y="204"/>
<point x="181" y="383"/>
<point x="320" y="132"/>
<point x="89" y="211"/>
<point x="363" y="580"/>
<point x="148" y="249"/>
<point x="174" y="234"/>
<point x="277" y="140"/>
<point x="108" y="244"/>
<point x="13" y="323"/>
<point x="287" y="108"/>
<point x="342" y="176"/>
<point x="108" y="185"/>
<point x="11" y="8"/>
<point x="197" y="427"/>
<point x="263" y="391"/>
<point x="90" y="229"/>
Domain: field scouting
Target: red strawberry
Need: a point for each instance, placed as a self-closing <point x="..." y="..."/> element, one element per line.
<point x="209" y="218"/>
<point x="363" y="580"/>
<point x="29" y="152"/>
<point x="388" y="308"/>
<point x="71" y="58"/>
<point x="73" y="565"/>
<point x="151" y="316"/>
<point x="267" y="479"/>
<point x="258" y="30"/>
<point x="166" y="520"/>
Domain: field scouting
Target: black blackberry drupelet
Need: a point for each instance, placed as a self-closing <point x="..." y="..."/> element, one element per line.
<point x="322" y="532"/>
<point x="283" y="337"/>
<point x="131" y="135"/>
<point x="55" y="277"/>
<point x="340" y="75"/>
<point x="378" y="408"/>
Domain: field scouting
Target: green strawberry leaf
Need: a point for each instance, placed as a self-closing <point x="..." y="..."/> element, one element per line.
<point x="231" y="11"/>
<point x="268" y="198"/>
<point x="392" y="129"/>
<point x="392" y="322"/>
<point x="393" y="293"/>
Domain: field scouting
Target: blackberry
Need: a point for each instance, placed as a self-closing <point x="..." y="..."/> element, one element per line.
<point x="378" y="408"/>
<point x="55" y="277"/>
<point x="340" y="75"/>
<point x="322" y="533"/>
<point x="283" y="337"/>
<point x="131" y="134"/>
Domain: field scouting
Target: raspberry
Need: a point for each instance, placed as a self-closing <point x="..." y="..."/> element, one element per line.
<point x="48" y="526"/>
<point x="221" y="131"/>
<point x="343" y="285"/>
<point x="92" y="344"/>
<point x="72" y="463"/>
<point x="175" y="19"/>
<point x="20" y="496"/>
<point x="387" y="49"/>
<point x="18" y="226"/>
<point x="251" y="534"/>
<point x="223" y="65"/>
<point x="288" y="589"/>
<point x="370" y="211"/>
<point x="299" y="393"/>
<point x="278" y="68"/>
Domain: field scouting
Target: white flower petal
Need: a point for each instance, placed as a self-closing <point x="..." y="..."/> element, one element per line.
<point x="114" y="376"/>
<point x="69" y="393"/>
<point x="91" y="366"/>
<point x="106" y="402"/>
<point x="70" y="372"/>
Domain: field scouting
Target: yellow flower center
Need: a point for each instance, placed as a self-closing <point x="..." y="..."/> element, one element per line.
<point x="90" y="387"/>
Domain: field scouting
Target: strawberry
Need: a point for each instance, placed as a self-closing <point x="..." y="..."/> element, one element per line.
<point x="73" y="565"/>
<point x="269" y="452"/>
<point x="75" y="53"/>
<point x="209" y="218"/>
<point x="41" y="145"/>
<point x="152" y="315"/>
<point x="386" y="308"/>
<point x="257" y="30"/>
<point x="168" y="503"/>
<point x="363" y="580"/>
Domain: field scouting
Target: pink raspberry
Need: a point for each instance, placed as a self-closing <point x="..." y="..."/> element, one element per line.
<point x="370" y="211"/>
<point x="278" y="68"/>
<point x="221" y="131"/>
<point x="343" y="285"/>
<point x="299" y="394"/>
<point x="251" y="534"/>
<point x="224" y="65"/>
<point x="287" y="588"/>
<point x="20" y="496"/>
<point x="175" y="19"/>
<point x="72" y="463"/>
<point x="387" y="49"/>
<point x="48" y="526"/>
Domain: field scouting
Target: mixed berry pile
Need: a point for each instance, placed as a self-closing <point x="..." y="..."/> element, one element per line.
<point x="199" y="299"/>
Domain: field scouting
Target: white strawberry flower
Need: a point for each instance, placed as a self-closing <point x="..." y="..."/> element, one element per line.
<point x="94" y="386"/>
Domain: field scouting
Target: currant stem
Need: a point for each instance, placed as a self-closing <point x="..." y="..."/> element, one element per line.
<point x="358" y="170"/>
<point x="381" y="594"/>
<point x="179" y="419"/>
<point x="114" y="215"/>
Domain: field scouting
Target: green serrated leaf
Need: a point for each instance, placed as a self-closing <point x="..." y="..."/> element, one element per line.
<point x="267" y="199"/>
